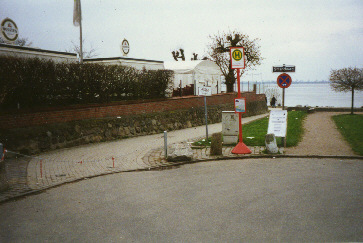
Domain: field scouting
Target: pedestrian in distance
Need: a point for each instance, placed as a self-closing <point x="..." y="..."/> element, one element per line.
<point x="273" y="102"/>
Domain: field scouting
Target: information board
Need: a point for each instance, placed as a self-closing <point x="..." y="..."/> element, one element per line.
<point x="277" y="123"/>
<point x="205" y="91"/>
<point x="240" y="105"/>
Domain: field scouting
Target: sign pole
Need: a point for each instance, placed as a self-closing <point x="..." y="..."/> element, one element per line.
<point x="206" y="116"/>
<point x="241" y="148"/>
<point x="283" y="99"/>
<point x="239" y="114"/>
<point x="205" y="91"/>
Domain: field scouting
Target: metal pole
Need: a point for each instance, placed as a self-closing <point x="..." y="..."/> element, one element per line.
<point x="166" y="144"/>
<point x="283" y="99"/>
<point x="239" y="114"/>
<point x="206" y="116"/>
<point x="80" y="34"/>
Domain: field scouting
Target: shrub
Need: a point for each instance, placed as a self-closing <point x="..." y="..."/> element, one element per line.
<point x="36" y="82"/>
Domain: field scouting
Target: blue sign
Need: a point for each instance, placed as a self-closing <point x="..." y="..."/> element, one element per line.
<point x="284" y="80"/>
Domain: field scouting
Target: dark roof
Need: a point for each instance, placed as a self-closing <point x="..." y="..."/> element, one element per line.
<point x="120" y="58"/>
<point x="37" y="50"/>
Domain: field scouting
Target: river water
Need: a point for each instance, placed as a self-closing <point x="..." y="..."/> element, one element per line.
<point x="314" y="94"/>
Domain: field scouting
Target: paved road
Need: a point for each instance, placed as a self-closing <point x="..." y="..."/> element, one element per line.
<point x="237" y="200"/>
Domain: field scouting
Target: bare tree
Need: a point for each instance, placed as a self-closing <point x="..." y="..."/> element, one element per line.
<point x="177" y="55"/>
<point x="18" y="42"/>
<point x="86" y="54"/>
<point x="219" y="53"/>
<point x="273" y="92"/>
<point x="347" y="79"/>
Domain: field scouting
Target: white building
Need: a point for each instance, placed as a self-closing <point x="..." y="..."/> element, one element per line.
<point x="197" y="73"/>
<point x="131" y="62"/>
<point x="30" y="52"/>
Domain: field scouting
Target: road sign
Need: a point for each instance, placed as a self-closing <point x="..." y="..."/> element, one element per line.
<point x="237" y="57"/>
<point x="284" y="80"/>
<point x="240" y="105"/>
<point x="283" y="69"/>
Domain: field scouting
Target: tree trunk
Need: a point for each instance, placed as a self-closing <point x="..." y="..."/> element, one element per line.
<point x="352" y="108"/>
<point x="230" y="80"/>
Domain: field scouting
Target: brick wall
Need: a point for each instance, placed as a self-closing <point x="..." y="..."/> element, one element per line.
<point x="26" y="118"/>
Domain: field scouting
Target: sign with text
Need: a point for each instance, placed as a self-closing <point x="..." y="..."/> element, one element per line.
<point x="240" y="105"/>
<point x="125" y="47"/>
<point x="9" y="30"/>
<point x="283" y="69"/>
<point x="205" y="91"/>
<point x="277" y="123"/>
<point x="237" y="57"/>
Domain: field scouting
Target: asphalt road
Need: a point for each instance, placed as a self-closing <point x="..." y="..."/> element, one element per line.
<point x="222" y="201"/>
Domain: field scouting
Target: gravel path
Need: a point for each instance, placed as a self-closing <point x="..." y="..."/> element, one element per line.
<point x="321" y="137"/>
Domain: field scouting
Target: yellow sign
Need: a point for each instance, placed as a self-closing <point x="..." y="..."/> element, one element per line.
<point x="237" y="57"/>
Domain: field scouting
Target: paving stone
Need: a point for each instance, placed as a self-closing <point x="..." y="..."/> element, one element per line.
<point x="31" y="174"/>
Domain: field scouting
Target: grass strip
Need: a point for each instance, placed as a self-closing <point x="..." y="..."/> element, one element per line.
<point x="351" y="127"/>
<point x="254" y="132"/>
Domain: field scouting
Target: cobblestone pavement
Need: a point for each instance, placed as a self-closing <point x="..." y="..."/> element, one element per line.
<point x="31" y="174"/>
<point x="157" y="158"/>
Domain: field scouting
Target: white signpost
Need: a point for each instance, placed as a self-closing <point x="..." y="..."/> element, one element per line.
<point x="205" y="91"/>
<point x="278" y="123"/>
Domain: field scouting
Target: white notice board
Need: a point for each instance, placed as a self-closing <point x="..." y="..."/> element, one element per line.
<point x="277" y="123"/>
<point x="205" y="91"/>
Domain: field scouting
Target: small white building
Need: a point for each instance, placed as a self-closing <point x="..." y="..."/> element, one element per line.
<point x="30" y="52"/>
<point x="131" y="62"/>
<point x="196" y="73"/>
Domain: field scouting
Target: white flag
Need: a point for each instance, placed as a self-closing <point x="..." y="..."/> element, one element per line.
<point x="77" y="13"/>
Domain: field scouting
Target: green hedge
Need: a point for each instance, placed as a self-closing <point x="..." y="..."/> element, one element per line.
<point x="37" y="82"/>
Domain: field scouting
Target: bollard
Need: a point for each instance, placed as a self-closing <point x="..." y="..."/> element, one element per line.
<point x="2" y="152"/>
<point x="41" y="169"/>
<point x="113" y="162"/>
<point x="166" y="144"/>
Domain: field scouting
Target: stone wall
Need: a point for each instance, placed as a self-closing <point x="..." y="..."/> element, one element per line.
<point x="25" y="118"/>
<point x="45" y="137"/>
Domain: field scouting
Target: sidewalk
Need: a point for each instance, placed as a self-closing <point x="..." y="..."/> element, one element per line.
<point x="31" y="174"/>
<point x="27" y="175"/>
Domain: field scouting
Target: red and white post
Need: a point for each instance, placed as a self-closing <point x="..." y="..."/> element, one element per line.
<point x="238" y="63"/>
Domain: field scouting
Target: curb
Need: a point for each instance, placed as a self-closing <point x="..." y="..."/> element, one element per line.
<point x="170" y="165"/>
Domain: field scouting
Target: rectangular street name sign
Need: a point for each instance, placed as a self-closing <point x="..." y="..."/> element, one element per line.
<point x="283" y="69"/>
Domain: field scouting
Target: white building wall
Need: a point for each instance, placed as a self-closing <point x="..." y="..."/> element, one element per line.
<point x="130" y="62"/>
<point x="27" y="52"/>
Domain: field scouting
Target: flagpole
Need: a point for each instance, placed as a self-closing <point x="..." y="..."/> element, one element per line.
<point x="80" y="33"/>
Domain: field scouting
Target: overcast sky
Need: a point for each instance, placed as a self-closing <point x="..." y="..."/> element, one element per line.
<point x="314" y="35"/>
